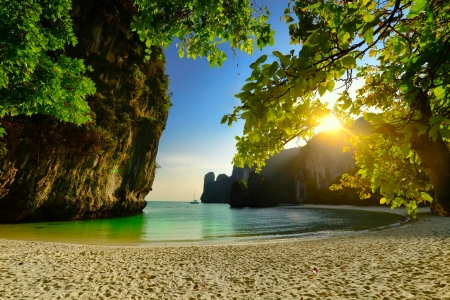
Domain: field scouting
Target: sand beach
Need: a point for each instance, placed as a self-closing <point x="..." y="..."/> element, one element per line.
<point x="406" y="262"/>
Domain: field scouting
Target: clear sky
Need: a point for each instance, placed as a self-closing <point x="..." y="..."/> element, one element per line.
<point x="194" y="142"/>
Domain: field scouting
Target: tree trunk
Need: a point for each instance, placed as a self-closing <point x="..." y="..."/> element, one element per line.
<point x="435" y="157"/>
<point x="436" y="160"/>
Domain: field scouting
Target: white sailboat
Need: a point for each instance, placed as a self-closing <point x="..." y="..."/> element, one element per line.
<point x="195" y="201"/>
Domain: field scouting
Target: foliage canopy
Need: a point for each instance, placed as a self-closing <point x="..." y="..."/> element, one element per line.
<point x="35" y="74"/>
<point x="201" y="25"/>
<point x="408" y="87"/>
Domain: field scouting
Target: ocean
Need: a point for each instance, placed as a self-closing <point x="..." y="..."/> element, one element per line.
<point x="175" y="223"/>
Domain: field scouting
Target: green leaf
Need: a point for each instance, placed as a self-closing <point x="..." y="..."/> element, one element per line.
<point x="349" y="62"/>
<point x="439" y="92"/>
<point x="417" y="8"/>
<point x="243" y="95"/>
<point x="347" y="103"/>
<point x="426" y="196"/>
<point x="422" y="129"/>
<point x="368" y="17"/>
<point x="433" y="133"/>
<point x="299" y="86"/>
<point x="3" y="80"/>
<point x="368" y="35"/>
<point x="278" y="54"/>
<point x="383" y="200"/>
<point x="320" y="75"/>
<point x="271" y="115"/>
<point x="287" y="126"/>
<point x="224" y="119"/>
<point x="273" y="68"/>
<point x="249" y="86"/>
<point x="374" y="118"/>
<point x="322" y="88"/>
<point x="259" y="61"/>
<point x="436" y="120"/>
<point x="285" y="61"/>
<point x="330" y="85"/>
<point x="445" y="132"/>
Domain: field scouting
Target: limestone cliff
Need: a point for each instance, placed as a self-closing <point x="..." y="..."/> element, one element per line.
<point x="218" y="191"/>
<point x="304" y="175"/>
<point x="257" y="192"/>
<point x="281" y="169"/>
<point x="320" y="162"/>
<point x="58" y="171"/>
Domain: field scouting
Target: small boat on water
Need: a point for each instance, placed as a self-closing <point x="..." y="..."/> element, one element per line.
<point x="195" y="201"/>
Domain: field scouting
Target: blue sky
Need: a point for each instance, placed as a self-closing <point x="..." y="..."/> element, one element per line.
<point x="194" y="142"/>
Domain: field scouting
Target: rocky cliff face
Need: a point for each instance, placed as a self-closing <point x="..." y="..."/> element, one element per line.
<point x="58" y="171"/>
<point x="298" y="175"/>
<point x="218" y="191"/>
<point x="259" y="192"/>
<point x="320" y="163"/>
<point x="281" y="169"/>
<point x="304" y="175"/>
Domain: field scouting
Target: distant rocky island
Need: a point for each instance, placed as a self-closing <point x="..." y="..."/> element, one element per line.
<point x="217" y="190"/>
<point x="294" y="176"/>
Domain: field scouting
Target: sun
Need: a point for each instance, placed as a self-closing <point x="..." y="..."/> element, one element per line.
<point x="329" y="123"/>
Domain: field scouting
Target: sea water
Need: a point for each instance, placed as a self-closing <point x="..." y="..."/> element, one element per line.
<point x="165" y="223"/>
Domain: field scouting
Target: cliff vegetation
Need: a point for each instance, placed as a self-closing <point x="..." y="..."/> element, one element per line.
<point x="55" y="170"/>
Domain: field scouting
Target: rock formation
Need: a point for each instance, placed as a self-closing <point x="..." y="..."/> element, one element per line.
<point x="304" y="175"/>
<point x="218" y="191"/>
<point x="259" y="193"/>
<point x="238" y="194"/>
<point x="58" y="171"/>
<point x="281" y="170"/>
<point x="321" y="162"/>
<point x="208" y="187"/>
<point x="241" y="173"/>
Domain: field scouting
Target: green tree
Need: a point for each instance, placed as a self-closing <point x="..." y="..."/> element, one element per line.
<point x="201" y="25"/>
<point x="35" y="74"/>
<point x="409" y="87"/>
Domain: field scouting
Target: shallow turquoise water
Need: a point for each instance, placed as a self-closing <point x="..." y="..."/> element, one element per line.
<point x="181" y="222"/>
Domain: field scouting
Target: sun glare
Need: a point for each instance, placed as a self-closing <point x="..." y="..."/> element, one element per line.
<point x="329" y="123"/>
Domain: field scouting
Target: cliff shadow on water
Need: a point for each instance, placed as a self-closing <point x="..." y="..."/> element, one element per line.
<point x="59" y="171"/>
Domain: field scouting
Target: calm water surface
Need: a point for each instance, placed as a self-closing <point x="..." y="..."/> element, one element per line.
<point x="181" y="222"/>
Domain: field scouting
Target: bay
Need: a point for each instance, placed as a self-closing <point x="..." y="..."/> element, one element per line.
<point x="173" y="223"/>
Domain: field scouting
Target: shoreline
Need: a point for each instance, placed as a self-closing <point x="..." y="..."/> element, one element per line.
<point x="404" y="262"/>
<point x="262" y="240"/>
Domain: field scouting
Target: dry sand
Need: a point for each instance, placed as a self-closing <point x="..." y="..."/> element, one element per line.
<point x="407" y="262"/>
